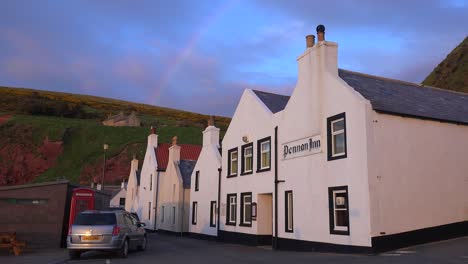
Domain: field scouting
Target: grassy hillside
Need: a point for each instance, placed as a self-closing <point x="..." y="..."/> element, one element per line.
<point x="83" y="137"/>
<point x="452" y="72"/>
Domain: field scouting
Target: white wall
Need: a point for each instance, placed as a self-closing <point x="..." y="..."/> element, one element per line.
<point x="131" y="196"/>
<point x="115" y="201"/>
<point x="147" y="193"/>
<point x="319" y="94"/>
<point x="254" y="120"/>
<point x="207" y="164"/>
<point x="418" y="173"/>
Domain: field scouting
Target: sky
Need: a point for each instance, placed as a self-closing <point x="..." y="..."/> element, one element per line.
<point x="200" y="55"/>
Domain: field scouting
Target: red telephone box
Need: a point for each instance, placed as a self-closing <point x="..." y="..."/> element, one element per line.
<point x="82" y="199"/>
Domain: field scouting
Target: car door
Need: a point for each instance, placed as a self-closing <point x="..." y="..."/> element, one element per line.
<point x="132" y="230"/>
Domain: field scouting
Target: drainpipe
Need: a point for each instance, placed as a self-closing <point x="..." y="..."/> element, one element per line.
<point x="275" y="240"/>
<point x="182" y="214"/>
<point x="219" y="202"/>
<point x="156" y="202"/>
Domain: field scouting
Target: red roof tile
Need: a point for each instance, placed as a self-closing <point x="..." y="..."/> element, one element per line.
<point x="187" y="152"/>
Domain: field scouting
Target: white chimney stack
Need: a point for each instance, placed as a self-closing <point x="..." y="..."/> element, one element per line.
<point x="153" y="138"/>
<point x="174" y="151"/>
<point x="211" y="134"/>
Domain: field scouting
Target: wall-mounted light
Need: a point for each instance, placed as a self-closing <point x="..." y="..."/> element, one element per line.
<point x="245" y="139"/>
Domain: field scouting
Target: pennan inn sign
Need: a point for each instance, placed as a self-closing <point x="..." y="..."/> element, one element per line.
<point x="302" y="147"/>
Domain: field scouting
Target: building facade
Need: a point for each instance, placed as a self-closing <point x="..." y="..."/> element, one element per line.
<point x="160" y="192"/>
<point x="348" y="162"/>
<point x="204" y="190"/>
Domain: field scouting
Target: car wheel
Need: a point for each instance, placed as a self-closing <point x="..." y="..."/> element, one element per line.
<point x="142" y="247"/>
<point x="123" y="252"/>
<point x="74" y="254"/>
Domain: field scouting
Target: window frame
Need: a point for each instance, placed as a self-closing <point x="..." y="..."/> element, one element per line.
<point x="194" y="212"/>
<point x="213" y="214"/>
<point x="173" y="215"/>
<point x="228" y="209"/>
<point x="162" y="214"/>
<point x="229" y="170"/>
<point x="338" y="230"/>
<point x="149" y="211"/>
<point x="242" y="221"/>
<point x="151" y="182"/>
<point x="243" y="158"/>
<point x="259" y="154"/>
<point x="330" y="133"/>
<point x="120" y="201"/>
<point x="197" y="181"/>
<point x="288" y="211"/>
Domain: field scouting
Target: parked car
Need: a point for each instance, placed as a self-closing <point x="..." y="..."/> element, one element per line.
<point x="116" y="231"/>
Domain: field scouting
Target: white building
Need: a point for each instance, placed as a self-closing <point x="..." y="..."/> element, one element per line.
<point x="348" y="162"/>
<point x="204" y="191"/>
<point x="159" y="193"/>
<point x="118" y="200"/>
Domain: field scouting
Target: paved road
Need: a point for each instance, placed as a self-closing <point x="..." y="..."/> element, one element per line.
<point x="171" y="249"/>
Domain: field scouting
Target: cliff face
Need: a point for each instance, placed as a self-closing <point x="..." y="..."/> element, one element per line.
<point x="452" y="72"/>
<point x="22" y="161"/>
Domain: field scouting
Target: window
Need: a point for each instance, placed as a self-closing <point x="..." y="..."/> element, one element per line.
<point x="122" y="201"/>
<point x="339" y="210"/>
<point x="194" y="213"/>
<point x="213" y="213"/>
<point x="247" y="159"/>
<point x="151" y="182"/>
<point x="173" y="215"/>
<point x="264" y="154"/>
<point x="288" y="208"/>
<point x="231" y="209"/>
<point x="232" y="162"/>
<point x="162" y="214"/>
<point x="246" y="209"/>
<point x="197" y="178"/>
<point x="149" y="210"/>
<point x="336" y="131"/>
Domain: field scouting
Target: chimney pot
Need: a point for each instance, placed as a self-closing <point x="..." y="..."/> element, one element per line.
<point x="321" y="33"/>
<point x="310" y="41"/>
<point x="174" y="140"/>
<point x="211" y="121"/>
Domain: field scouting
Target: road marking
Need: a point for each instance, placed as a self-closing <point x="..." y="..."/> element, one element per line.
<point x="390" y="255"/>
<point x="405" y="252"/>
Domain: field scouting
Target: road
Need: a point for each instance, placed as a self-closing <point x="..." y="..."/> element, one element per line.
<point x="172" y="249"/>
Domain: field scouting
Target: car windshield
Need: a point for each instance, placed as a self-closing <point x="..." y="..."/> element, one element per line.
<point x="96" y="219"/>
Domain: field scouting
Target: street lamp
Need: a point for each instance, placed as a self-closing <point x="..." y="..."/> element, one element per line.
<point x="104" y="167"/>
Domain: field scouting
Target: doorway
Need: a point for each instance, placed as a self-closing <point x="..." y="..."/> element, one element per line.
<point x="265" y="218"/>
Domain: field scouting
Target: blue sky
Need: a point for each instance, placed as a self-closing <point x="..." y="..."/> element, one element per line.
<point x="200" y="55"/>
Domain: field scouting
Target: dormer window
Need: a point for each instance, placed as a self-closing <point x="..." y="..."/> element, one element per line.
<point x="336" y="130"/>
<point x="247" y="159"/>
<point x="232" y="162"/>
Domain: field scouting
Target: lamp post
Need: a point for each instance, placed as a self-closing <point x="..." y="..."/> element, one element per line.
<point x="104" y="166"/>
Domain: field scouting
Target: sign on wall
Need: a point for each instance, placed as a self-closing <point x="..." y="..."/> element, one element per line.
<point x="302" y="147"/>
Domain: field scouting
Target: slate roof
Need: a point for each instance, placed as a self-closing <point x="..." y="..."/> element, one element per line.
<point x="187" y="152"/>
<point x="409" y="99"/>
<point x="394" y="97"/>
<point x="275" y="102"/>
<point x="186" y="168"/>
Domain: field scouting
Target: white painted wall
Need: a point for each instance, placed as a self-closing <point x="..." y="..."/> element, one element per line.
<point x="319" y="94"/>
<point x="131" y="196"/>
<point x="254" y="120"/>
<point x="115" y="201"/>
<point x="418" y="173"/>
<point x="147" y="193"/>
<point x="208" y="163"/>
<point x="172" y="196"/>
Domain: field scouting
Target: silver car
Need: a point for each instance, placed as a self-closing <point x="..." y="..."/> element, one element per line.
<point x="116" y="231"/>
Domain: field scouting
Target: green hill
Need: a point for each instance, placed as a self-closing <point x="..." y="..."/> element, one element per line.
<point x="452" y="72"/>
<point x="76" y="122"/>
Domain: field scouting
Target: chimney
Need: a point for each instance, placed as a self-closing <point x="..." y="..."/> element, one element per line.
<point x="122" y="186"/>
<point x="153" y="138"/>
<point x="134" y="164"/>
<point x="211" y="134"/>
<point x="174" y="150"/>
<point x="310" y="41"/>
<point x="321" y="33"/>
<point x="211" y="121"/>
